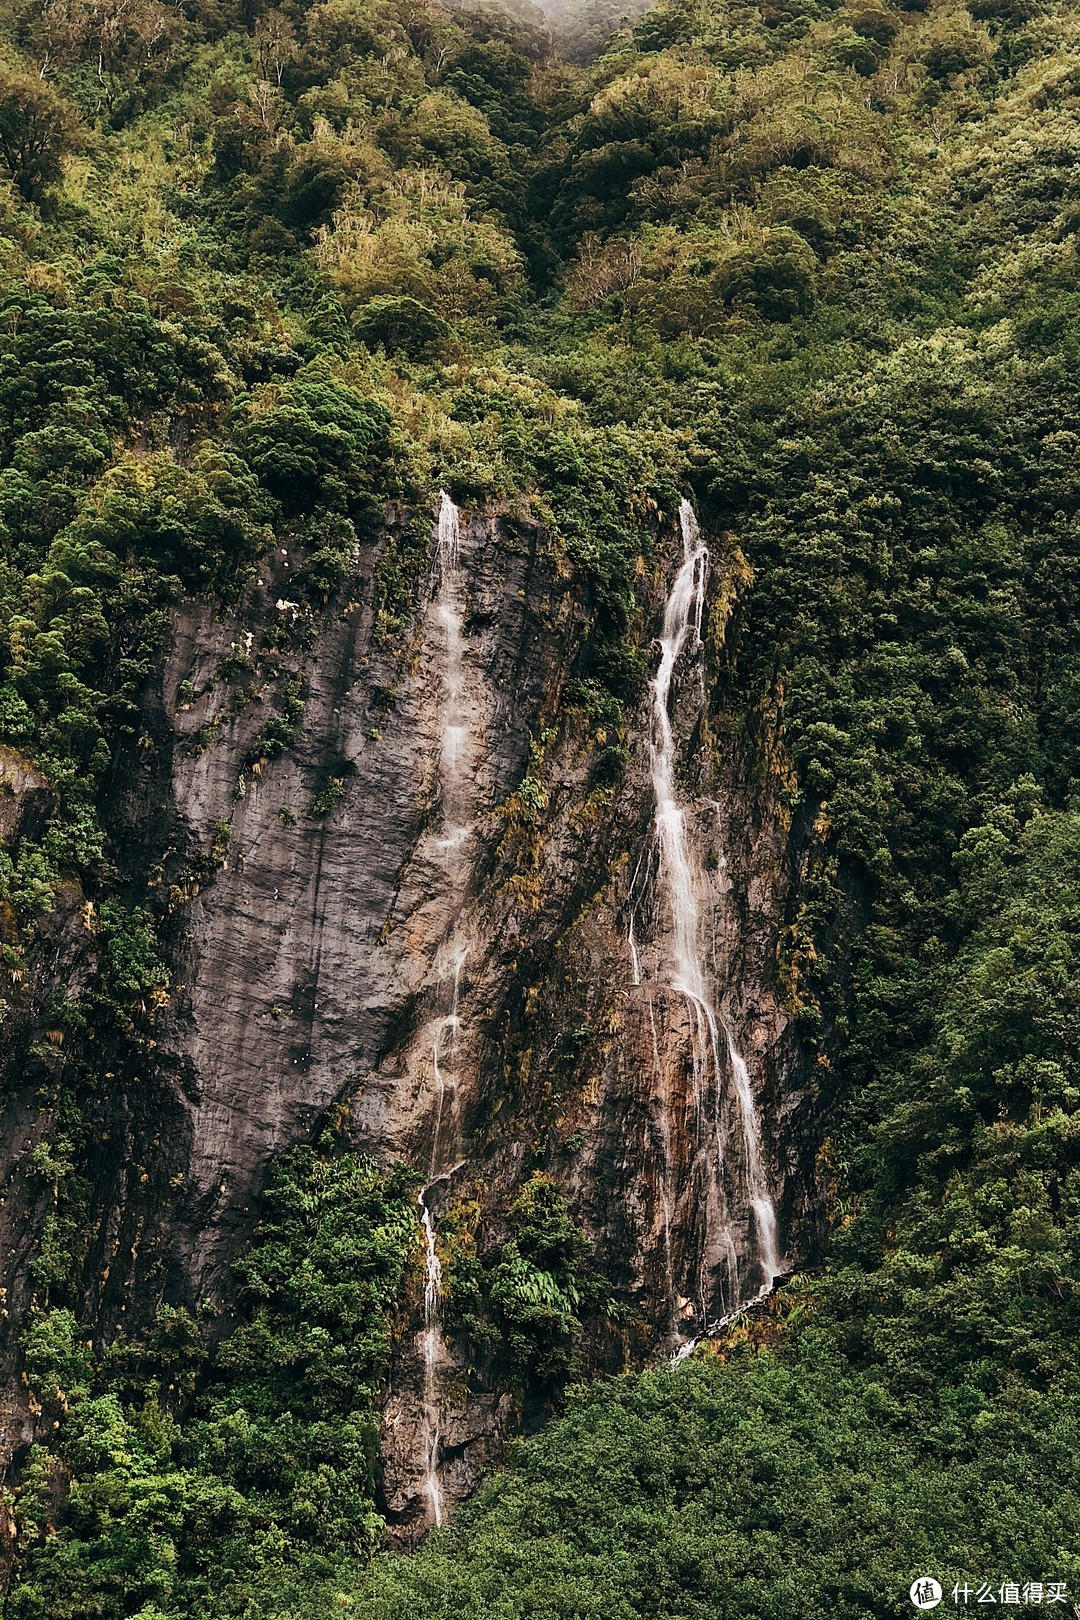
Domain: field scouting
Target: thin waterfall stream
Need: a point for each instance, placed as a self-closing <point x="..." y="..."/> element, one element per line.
<point x="454" y="763"/>
<point x="432" y="1357"/>
<point x="716" y="1058"/>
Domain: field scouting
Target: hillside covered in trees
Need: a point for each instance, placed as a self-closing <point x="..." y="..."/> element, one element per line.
<point x="271" y="279"/>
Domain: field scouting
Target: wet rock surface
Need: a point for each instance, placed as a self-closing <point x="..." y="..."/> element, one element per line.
<point x="314" y="925"/>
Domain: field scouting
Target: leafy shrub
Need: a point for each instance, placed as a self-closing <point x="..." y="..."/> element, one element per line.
<point x="399" y="325"/>
<point x="319" y="444"/>
<point x="777" y="276"/>
<point x="37" y="129"/>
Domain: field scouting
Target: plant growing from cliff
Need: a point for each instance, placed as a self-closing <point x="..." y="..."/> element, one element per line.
<point x="146" y="1496"/>
<point x="327" y="797"/>
<point x="521" y="1306"/>
<point x="133" y="976"/>
<point x="319" y="444"/>
<point x="398" y="568"/>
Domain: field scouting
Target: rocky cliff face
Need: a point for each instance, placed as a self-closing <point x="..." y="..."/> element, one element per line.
<point x="286" y="790"/>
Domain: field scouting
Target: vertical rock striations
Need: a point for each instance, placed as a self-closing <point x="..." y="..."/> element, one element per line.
<point x="428" y="910"/>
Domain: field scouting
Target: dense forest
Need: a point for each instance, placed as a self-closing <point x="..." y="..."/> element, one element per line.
<point x="271" y="278"/>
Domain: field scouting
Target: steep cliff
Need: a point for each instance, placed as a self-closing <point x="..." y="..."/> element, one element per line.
<point x="313" y="918"/>
<point x="538" y="692"/>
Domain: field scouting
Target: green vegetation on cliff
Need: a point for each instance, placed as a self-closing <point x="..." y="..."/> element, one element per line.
<point x="913" y="1410"/>
<point x="263" y="270"/>
<point x="273" y="1469"/>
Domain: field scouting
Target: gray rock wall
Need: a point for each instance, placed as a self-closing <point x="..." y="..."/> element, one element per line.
<point x="312" y="924"/>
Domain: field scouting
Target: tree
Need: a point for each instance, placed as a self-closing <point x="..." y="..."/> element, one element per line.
<point x="401" y="325"/>
<point x="775" y="275"/>
<point x="37" y="128"/>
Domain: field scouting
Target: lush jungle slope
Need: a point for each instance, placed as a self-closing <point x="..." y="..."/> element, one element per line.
<point x="268" y="272"/>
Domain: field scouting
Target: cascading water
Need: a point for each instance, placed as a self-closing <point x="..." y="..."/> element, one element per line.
<point x="454" y="764"/>
<point x="454" y="802"/>
<point x="713" y="1041"/>
<point x="453" y="760"/>
<point x="443" y="1059"/>
<point x="432" y="1357"/>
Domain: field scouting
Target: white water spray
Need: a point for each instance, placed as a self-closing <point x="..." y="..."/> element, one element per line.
<point x="454" y="751"/>
<point x="665" y="1144"/>
<point x="712" y="1039"/>
<point x="444" y="1062"/>
<point x="432" y="1358"/>
<point x="682" y="619"/>
<point x="454" y="806"/>
<point x="454" y="803"/>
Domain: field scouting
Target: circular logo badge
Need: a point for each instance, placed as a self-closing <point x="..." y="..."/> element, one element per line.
<point x="925" y="1592"/>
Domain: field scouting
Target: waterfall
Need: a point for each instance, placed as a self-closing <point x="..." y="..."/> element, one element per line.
<point x="432" y="1357"/>
<point x="452" y="847"/>
<point x="665" y="1145"/>
<point x="453" y="754"/>
<point x="716" y="1057"/>
<point x="454" y="803"/>
<point x="443" y="1048"/>
<point x="682" y="618"/>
